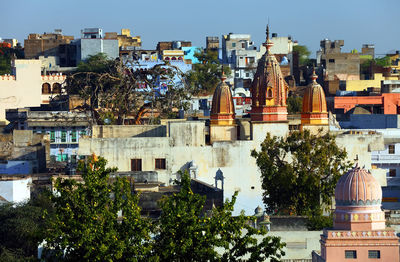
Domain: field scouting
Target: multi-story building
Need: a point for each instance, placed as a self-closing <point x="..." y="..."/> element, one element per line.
<point x="126" y="41"/>
<point x="92" y="43"/>
<point x="45" y="44"/>
<point x="241" y="54"/>
<point x="338" y="65"/>
<point x="64" y="128"/>
<point x="212" y="43"/>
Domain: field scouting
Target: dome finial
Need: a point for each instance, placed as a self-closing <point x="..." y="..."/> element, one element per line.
<point x="314" y="76"/>
<point x="268" y="43"/>
<point x="223" y="76"/>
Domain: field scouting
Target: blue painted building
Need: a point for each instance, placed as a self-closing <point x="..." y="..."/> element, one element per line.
<point x="189" y="53"/>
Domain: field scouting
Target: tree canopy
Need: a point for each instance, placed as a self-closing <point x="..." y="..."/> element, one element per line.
<point x="299" y="172"/>
<point x="124" y="90"/>
<point x="98" y="219"/>
<point x="304" y="54"/>
<point x="206" y="75"/>
<point x="294" y="104"/>
<point x="22" y="228"/>
<point x="185" y="234"/>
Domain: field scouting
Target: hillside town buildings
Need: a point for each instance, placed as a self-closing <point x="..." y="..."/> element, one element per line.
<point x="345" y="94"/>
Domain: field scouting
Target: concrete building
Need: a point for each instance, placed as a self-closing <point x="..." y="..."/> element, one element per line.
<point x="240" y="53"/>
<point x="359" y="232"/>
<point x="386" y="103"/>
<point x="22" y="88"/>
<point x="172" y="45"/>
<point x="92" y="43"/>
<point x="23" y="152"/>
<point x="282" y="45"/>
<point x="338" y="65"/>
<point x="212" y="43"/>
<point x="27" y="86"/>
<point x="45" y="44"/>
<point x="64" y="129"/>
<point x="126" y="41"/>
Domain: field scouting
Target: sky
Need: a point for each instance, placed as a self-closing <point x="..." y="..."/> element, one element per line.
<point x="357" y="22"/>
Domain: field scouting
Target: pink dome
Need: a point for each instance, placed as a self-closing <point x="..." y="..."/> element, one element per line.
<point x="358" y="188"/>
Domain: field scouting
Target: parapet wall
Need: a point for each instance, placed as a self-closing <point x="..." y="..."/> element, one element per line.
<point x="115" y="131"/>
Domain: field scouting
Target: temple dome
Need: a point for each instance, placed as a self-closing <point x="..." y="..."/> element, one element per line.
<point x="222" y="108"/>
<point x="358" y="188"/>
<point x="314" y="100"/>
<point x="314" y="104"/>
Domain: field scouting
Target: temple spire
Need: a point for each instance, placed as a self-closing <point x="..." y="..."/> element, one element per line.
<point x="314" y="76"/>
<point x="268" y="43"/>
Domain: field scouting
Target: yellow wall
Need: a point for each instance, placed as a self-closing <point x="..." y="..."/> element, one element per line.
<point x="360" y="85"/>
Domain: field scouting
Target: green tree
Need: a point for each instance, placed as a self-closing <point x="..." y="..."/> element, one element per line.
<point x="303" y="53"/>
<point x="22" y="228"/>
<point x="117" y="87"/>
<point x="6" y="55"/>
<point x="299" y="172"/>
<point x="294" y="104"/>
<point x="383" y="61"/>
<point x="86" y="225"/>
<point x="206" y="75"/>
<point x="185" y="234"/>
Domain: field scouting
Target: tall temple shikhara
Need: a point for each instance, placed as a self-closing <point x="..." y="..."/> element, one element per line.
<point x="269" y="89"/>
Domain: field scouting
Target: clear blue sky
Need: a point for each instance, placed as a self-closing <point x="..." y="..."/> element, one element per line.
<point x="355" y="21"/>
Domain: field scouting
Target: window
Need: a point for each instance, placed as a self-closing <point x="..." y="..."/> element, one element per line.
<point x="73" y="136"/>
<point x="350" y="254"/>
<point x="160" y="163"/>
<point x="56" y="88"/>
<point x="392" y="172"/>
<point x="52" y="136"/>
<point x="63" y="136"/>
<point x="374" y="254"/>
<point x="136" y="164"/>
<point x="243" y="45"/>
<point x="247" y="74"/>
<point x="46" y="89"/>
<point x="269" y="93"/>
<point x="233" y="44"/>
<point x="82" y="133"/>
<point x="391" y="149"/>
<point x="331" y="60"/>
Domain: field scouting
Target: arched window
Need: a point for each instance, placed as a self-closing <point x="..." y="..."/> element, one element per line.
<point x="56" y="88"/>
<point x="269" y="93"/>
<point x="173" y="58"/>
<point x="46" y="89"/>
<point x="166" y="58"/>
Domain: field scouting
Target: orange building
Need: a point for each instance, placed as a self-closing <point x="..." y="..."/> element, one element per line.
<point x="387" y="103"/>
<point x="359" y="232"/>
<point x="268" y="89"/>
